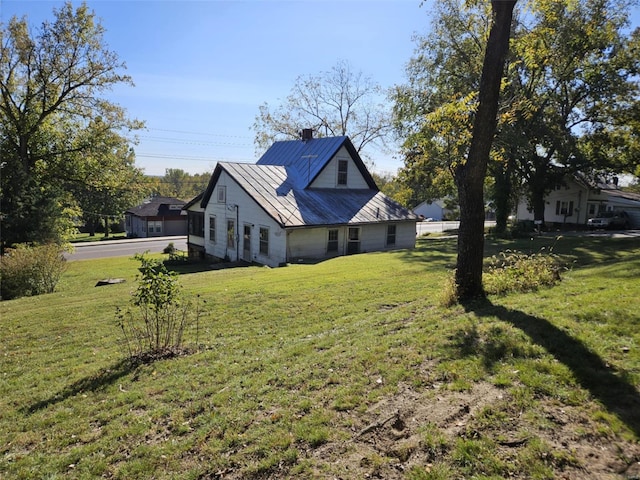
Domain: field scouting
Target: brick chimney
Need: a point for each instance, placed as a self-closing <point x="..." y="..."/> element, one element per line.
<point x="307" y="134"/>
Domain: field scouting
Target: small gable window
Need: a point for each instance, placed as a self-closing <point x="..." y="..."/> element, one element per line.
<point x="343" y="166"/>
<point x="222" y="194"/>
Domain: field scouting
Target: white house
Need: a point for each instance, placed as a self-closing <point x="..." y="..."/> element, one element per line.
<point x="304" y="199"/>
<point x="435" y="210"/>
<point x="578" y="200"/>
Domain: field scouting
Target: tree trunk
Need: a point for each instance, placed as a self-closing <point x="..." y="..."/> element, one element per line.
<point x="502" y="195"/>
<point x="538" y="204"/>
<point x="469" y="177"/>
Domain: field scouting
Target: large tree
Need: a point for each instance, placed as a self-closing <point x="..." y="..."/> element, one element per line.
<point x="469" y="175"/>
<point x="337" y="102"/>
<point x="575" y="87"/>
<point x="569" y="99"/>
<point x="51" y="85"/>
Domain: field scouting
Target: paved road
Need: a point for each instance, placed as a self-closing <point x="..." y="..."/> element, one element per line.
<point x="438" y="227"/>
<point x="125" y="247"/>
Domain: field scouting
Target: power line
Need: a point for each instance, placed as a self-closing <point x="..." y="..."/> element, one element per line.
<point x="199" y="133"/>
<point x="192" y="142"/>
<point x="193" y="158"/>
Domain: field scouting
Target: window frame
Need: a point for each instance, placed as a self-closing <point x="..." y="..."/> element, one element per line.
<point x="342" y="174"/>
<point x="195" y="222"/>
<point x="263" y="248"/>
<point x="222" y="194"/>
<point x="333" y="244"/>
<point x="391" y="236"/>
<point x="231" y="234"/>
<point x="212" y="228"/>
<point x="357" y="241"/>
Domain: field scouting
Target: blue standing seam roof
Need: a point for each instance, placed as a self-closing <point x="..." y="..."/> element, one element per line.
<point x="304" y="160"/>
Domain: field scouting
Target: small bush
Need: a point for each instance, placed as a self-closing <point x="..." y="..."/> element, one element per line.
<point x="154" y="326"/>
<point x="513" y="271"/>
<point x="169" y="249"/>
<point x="30" y="270"/>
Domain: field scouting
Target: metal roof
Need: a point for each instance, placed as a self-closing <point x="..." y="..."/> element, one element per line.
<point x="158" y="207"/>
<point x="271" y="187"/>
<point x="305" y="159"/>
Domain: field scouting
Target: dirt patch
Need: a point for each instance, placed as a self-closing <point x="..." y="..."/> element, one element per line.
<point x="392" y="437"/>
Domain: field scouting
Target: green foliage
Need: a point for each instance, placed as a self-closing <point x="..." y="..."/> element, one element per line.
<point x="569" y="99"/>
<point x="156" y="328"/>
<point x="62" y="146"/>
<point x="30" y="270"/>
<point x="513" y="271"/>
<point x="178" y="184"/>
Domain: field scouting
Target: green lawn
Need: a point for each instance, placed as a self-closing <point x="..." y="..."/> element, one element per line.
<point x="350" y="368"/>
<point x="85" y="237"/>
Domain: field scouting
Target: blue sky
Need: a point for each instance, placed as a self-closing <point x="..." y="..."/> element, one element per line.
<point x="202" y="68"/>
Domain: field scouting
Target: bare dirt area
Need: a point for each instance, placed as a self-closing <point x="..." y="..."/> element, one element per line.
<point x="412" y="432"/>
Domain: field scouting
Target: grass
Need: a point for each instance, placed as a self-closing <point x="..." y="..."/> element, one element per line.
<point x="85" y="237"/>
<point x="294" y="361"/>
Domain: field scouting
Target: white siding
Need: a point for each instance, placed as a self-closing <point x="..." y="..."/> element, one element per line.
<point x="312" y="242"/>
<point x="328" y="177"/>
<point x="583" y="200"/>
<point x="242" y="209"/>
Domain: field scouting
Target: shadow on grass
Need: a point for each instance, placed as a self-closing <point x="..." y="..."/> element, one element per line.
<point x="616" y="394"/>
<point x="96" y="382"/>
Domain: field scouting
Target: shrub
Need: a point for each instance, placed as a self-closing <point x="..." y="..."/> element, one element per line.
<point x="513" y="271"/>
<point x="30" y="270"/>
<point x="169" y="249"/>
<point x="153" y="327"/>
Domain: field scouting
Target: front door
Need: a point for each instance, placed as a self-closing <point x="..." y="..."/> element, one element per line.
<point x="246" y="243"/>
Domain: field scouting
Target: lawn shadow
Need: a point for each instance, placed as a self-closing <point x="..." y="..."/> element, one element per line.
<point x="103" y="378"/>
<point x="605" y="384"/>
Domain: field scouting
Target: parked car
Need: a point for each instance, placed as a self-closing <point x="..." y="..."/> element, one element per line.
<point x="609" y="220"/>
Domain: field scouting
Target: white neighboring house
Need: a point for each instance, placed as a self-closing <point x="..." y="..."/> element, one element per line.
<point x="304" y="199"/>
<point x="434" y="210"/>
<point x="578" y="200"/>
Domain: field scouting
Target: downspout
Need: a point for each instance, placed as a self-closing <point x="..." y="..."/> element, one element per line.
<point x="237" y="233"/>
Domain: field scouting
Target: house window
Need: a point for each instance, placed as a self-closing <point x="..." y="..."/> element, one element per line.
<point x="391" y="235"/>
<point x="332" y="241"/>
<point x="231" y="234"/>
<point x="353" y="240"/>
<point x="564" y="208"/>
<point x="264" y="241"/>
<point x="196" y="223"/>
<point x="154" y="226"/>
<point x="222" y="194"/>
<point x="212" y="228"/>
<point x="343" y="165"/>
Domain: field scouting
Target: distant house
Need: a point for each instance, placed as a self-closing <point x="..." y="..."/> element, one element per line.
<point x="156" y="217"/>
<point x="578" y="199"/>
<point x="435" y="210"/>
<point x="304" y="199"/>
